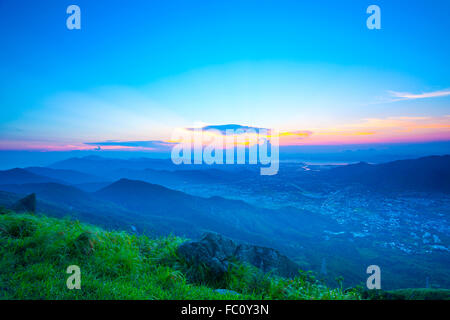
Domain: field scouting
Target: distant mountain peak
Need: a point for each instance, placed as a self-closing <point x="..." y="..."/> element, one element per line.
<point x="21" y="176"/>
<point x="93" y="157"/>
<point x="430" y="173"/>
<point x="129" y="183"/>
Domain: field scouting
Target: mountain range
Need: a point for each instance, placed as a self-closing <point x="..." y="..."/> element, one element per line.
<point x="117" y="194"/>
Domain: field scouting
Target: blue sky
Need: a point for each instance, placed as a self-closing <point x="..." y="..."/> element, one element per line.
<point x="135" y="71"/>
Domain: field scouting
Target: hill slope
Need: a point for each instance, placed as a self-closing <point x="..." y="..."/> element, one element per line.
<point x="431" y="174"/>
<point x="21" y="176"/>
<point x="67" y="176"/>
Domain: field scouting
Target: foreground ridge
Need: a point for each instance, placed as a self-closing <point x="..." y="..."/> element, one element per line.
<point x="36" y="251"/>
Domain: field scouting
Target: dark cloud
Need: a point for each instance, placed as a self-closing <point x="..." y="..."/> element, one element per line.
<point x="224" y="127"/>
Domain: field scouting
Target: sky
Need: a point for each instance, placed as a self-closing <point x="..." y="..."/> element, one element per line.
<point x="136" y="71"/>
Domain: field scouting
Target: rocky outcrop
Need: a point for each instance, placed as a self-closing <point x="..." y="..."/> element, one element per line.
<point x="217" y="252"/>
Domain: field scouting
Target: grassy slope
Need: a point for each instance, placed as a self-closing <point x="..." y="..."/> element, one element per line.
<point x="36" y="250"/>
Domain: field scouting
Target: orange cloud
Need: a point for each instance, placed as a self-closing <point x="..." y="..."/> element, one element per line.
<point x="379" y="130"/>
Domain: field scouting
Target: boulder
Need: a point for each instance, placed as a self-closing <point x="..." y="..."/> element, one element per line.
<point x="217" y="252"/>
<point x="27" y="204"/>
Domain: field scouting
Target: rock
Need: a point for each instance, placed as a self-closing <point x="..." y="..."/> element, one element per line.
<point x="217" y="252"/>
<point x="85" y="243"/>
<point x="27" y="204"/>
<point x="226" y="291"/>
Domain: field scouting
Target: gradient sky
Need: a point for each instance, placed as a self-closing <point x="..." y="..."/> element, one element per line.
<point x="137" y="70"/>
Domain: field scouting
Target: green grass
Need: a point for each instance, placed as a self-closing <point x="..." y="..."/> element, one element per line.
<point x="36" y="250"/>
